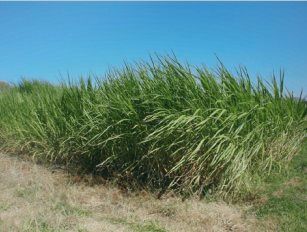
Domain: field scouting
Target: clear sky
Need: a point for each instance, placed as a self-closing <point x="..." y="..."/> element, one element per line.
<point x="46" y="40"/>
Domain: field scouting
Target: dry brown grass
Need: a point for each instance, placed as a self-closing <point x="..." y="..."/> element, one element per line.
<point x="33" y="198"/>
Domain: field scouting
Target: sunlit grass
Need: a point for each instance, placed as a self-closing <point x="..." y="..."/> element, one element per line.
<point x="286" y="195"/>
<point x="159" y="124"/>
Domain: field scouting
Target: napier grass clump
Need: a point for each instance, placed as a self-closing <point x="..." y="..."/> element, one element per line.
<point x="161" y="124"/>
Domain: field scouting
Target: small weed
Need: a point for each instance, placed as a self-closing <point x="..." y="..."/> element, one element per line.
<point x="4" y="207"/>
<point x="148" y="226"/>
<point x="166" y="210"/>
<point x="26" y="192"/>
<point x="67" y="209"/>
<point x="82" y="230"/>
<point x="38" y="225"/>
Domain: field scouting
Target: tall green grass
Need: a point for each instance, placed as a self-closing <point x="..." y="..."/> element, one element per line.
<point x="160" y="124"/>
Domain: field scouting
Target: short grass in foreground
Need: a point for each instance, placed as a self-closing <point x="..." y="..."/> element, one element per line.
<point x="159" y="125"/>
<point x="286" y="195"/>
<point x="59" y="202"/>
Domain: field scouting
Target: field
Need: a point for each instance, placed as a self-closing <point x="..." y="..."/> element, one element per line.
<point x="34" y="198"/>
<point x="164" y="129"/>
<point x="284" y="195"/>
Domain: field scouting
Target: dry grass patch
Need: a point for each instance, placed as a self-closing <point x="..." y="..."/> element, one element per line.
<point x="33" y="198"/>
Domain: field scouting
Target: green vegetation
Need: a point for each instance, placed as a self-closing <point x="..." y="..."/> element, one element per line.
<point x="161" y="125"/>
<point x="66" y="209"/>
<point x="286" y="194"/>
<point x="147" y="226"/>
<point x="38" y="225"/>
<point x="4" y="86"/>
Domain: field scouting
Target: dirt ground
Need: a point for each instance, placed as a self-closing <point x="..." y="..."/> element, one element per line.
<point x="36" y="198"/>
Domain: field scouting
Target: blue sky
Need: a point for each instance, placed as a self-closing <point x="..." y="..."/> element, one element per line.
<point x="47" y="40"/>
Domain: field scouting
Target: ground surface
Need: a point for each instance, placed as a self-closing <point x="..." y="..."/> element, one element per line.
<point x="36" y="198"/>
<point x="285" y="196"/>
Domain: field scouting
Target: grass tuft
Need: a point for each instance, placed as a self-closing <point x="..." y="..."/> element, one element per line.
<point x="161" y="124"/>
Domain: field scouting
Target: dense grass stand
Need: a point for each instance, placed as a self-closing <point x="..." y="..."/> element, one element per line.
<point x="161" y="125"/>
